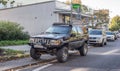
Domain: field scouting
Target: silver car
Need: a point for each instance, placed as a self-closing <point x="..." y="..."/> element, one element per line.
<point x="97" y="36"/>
<point x="110" y="35"/>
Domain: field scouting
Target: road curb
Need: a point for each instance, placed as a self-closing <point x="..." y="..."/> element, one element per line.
<point x="29" y="65"/>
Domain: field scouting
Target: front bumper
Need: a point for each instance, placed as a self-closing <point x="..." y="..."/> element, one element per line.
<point x="94" y="41"/>
<point x="44" y="47"/>
<point x="110" y="38"/>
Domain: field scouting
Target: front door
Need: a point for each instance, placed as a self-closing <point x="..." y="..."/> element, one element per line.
<point x="73" y="40"/>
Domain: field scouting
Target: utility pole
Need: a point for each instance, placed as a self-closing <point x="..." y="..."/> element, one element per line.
<point x="76" y="5"/>
<point x="71" y="15"/>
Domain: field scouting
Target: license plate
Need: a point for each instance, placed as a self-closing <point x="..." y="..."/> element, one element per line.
<point x="38" y="46"/>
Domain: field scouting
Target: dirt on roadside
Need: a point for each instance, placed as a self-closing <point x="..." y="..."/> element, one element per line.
<point x="1" y="52"/>
<point x="7" y="55"/>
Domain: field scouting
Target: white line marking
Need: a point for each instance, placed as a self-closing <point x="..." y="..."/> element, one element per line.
<point x="40" y="68"/>
<point x="109" y="52"/>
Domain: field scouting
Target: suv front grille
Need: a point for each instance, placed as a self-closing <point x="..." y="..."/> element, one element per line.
<point x="42" y="40"/>
<point x="92" y="37"/>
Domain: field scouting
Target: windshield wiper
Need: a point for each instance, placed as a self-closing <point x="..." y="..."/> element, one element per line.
<point x="55" y="33"/>
<point x="48" y="32"/>
<point x="52" y="32"/>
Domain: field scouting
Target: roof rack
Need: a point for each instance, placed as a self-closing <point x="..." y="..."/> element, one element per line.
<point x="64" y="24"/>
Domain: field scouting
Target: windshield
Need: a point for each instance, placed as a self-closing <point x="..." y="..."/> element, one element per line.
<point x="95" y="32"/>
<point x="58" y="30"/>
<point x="109" y="33"/>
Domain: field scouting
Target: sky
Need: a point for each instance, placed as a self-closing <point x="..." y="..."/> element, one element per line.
<point x="112" y="5"/>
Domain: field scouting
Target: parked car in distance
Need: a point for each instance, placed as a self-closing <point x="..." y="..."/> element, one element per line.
<point x="118" y="35"/>
<point x="97" y="37"/>
<point x="57" y="40"/>
<point x="110" y="36"/>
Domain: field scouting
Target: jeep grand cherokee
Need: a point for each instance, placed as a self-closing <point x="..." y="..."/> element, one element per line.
<point x="57" y="40"/>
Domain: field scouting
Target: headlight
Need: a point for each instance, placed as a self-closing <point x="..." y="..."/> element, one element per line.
<point x="31" y="40"/>
<point x="55" y="42"/>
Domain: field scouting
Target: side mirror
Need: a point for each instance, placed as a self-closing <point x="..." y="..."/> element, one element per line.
<point x="73" y="35"/>
<point x="66" y="38"/>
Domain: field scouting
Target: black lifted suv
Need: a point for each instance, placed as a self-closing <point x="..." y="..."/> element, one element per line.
<point x="57" y="40"/>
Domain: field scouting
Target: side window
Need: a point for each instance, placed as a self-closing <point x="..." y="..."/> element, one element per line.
<point x="74" y="30"/>
<point x="80" y="31"/>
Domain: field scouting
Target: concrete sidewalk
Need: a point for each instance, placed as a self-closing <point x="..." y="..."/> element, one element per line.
<point x="25" y="48"/>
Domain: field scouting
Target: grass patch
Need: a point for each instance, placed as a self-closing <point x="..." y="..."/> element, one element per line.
<point x="8" y="54"/>
<point x="13" y="42"/>
<point x="12" y="52"/>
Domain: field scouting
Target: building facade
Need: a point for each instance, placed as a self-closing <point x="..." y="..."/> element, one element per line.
<point x="36" y="18"/>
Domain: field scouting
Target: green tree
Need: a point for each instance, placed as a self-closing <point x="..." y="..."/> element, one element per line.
<point x="85" y="8"/>
<point x="115" y="23"/>
<point x="102" y="15"/>
<point x="4" y="2"/>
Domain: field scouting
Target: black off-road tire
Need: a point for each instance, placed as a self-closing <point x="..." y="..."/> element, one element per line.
<point x="62" y="55"/>
<point x="34" y="54"/>
<point x="105" y="43"/>
<point x="114" y="39"/>
<point x="84" y="50"/>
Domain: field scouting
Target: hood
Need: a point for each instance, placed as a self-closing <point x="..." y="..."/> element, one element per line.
<point x="95" y="35"/>
<point x="50" y="36"/>
<point x="110" y="35"/>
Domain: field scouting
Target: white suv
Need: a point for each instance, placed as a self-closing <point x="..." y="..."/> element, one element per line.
<point x="110" y="35"/>
<point x="97" y="36"/>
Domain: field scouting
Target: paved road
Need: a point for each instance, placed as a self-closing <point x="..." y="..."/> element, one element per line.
<point x="105" y="58"/>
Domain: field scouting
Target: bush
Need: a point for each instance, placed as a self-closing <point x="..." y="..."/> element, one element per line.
<point x="12" y="31"/>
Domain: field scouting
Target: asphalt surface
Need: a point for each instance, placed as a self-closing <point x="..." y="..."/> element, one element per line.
<point x="105" y="58"/>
